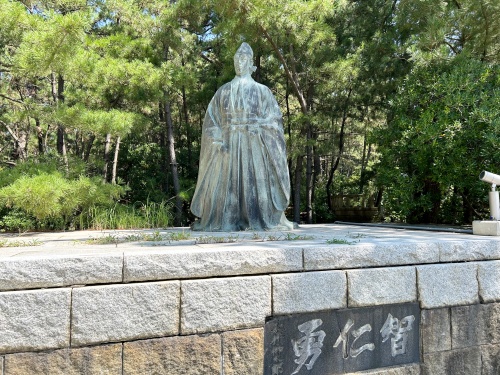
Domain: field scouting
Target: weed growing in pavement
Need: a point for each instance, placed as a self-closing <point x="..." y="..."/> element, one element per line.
<point x="297" y="237"/>
<point x="149" y="237"/>
<point x="340" y="241"/>
<point x="20" y="243"/>
<point x="216" y="239"/>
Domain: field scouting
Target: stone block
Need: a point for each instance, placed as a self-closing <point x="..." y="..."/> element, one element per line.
<point x="475" y="325"/>
<point x="309" y="291"/>
<point x="225" y="304"/>
<point x="180" y="355"/>
<point x="486" y="228"/>
<point x="55" y="271"/>
<point x="34" y="320"/>
<point x="124" y="312"/>
<point x="103" y="360"/>
<point x="189" y="263"/>
<point x="441" y="285"/>
<point x="382" y="286"/>
<point x="491" y="359"/>
<point x="413" y="369"/>
<point x="243" y="352"/>
<point x="369" y="255"/>
<point x="435" y="330"/>
<point x="466" y="251"/>
<point x="489" y="281"/>
<point x="454" y="362"/>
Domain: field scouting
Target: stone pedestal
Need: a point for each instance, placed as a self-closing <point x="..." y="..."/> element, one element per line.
<point x="486" y="228"/>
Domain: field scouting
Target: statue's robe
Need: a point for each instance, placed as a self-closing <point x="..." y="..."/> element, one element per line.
<point x="243" y="181"/>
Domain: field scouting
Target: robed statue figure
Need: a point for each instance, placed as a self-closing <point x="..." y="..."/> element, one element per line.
<point x="243" y="180"/>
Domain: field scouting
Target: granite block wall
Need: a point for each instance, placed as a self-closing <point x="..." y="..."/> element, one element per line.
<point x="117" y="321"/>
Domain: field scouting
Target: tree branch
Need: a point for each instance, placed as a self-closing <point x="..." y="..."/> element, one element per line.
<point x="10" y="131"/>
<point x="213" y="62"/>
<point x="11" y="99"/>
<point x="288" y="71"/>
<point x="451" y="47"/>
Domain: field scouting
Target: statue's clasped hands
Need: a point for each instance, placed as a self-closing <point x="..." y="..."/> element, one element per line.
<point x="220" y="146"/>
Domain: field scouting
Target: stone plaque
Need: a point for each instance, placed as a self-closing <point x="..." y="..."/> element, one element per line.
<point x="342" y="341"/>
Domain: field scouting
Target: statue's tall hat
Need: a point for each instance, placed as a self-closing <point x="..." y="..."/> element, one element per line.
<point x="245" y="49"/>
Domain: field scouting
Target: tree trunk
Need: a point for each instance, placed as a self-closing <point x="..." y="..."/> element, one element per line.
<point x="115" y="160"/>
<point x="171" y="150"/>
<point x="39" y="134"/>
<point x="309" y="179"/>
<point x="88" y="147"/>
<point x="58" y="96"/>
<point x="363" y="161"/>
<point x="316" y="174"/>
<point x="296" y="195"/>
<point x="78" y="142"/>
<point x="164" y="162"/>
<point x="186" y="121"/>
<point x="339" y="155"/>
<point x="173" y="162"/>
<point x="20" y="141"/>
<point x="107" y="147"/>
<point x="59" y="99"/>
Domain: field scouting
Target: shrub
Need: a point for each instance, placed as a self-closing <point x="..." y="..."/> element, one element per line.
<point x="52" y="200"/>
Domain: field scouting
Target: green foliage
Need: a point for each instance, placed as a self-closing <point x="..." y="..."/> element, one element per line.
<point x="36" y="196"/>
<point x="297" y="237"/>
<point x="16" y="220"/>
<point x="19" y="243"/>
<point x="339" y="241"/>
<point x="148" y="237"/>
<point x="216" y="239"/>
<point x="119" y="216"/>
<point x="444" y="129"/>
<point x="51" y="195"/>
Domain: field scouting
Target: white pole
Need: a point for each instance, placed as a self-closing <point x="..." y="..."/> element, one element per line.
<point x="494" y="203"/>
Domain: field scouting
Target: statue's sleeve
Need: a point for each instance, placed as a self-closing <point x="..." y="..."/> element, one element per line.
<point x="274" y="141"/>
<point x="211" y="144"/>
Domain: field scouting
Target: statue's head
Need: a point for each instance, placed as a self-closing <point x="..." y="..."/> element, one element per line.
<point x="243" y="59"/>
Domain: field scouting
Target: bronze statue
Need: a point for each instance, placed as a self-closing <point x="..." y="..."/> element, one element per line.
<point x="243" y="181"/>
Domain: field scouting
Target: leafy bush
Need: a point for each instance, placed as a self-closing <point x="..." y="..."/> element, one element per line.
<point x="52" y="195"/>
<point x="443" y="130"/>
<point x="16" y="220"/>
<point x="52" y="200"/>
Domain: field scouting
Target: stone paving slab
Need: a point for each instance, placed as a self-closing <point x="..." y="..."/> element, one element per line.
<point x="370" y="255"/>
<point x="57" y="270"/>
<point x="468" y="250"/>
<point x="197" y="263"/>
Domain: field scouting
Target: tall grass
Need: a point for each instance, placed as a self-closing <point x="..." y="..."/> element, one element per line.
<point x="119" y="216"/>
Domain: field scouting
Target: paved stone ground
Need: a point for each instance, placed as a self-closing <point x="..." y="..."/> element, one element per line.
<point x="78" y="242"/>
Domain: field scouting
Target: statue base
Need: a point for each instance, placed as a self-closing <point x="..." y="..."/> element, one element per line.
<point x="486" y="227"/>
